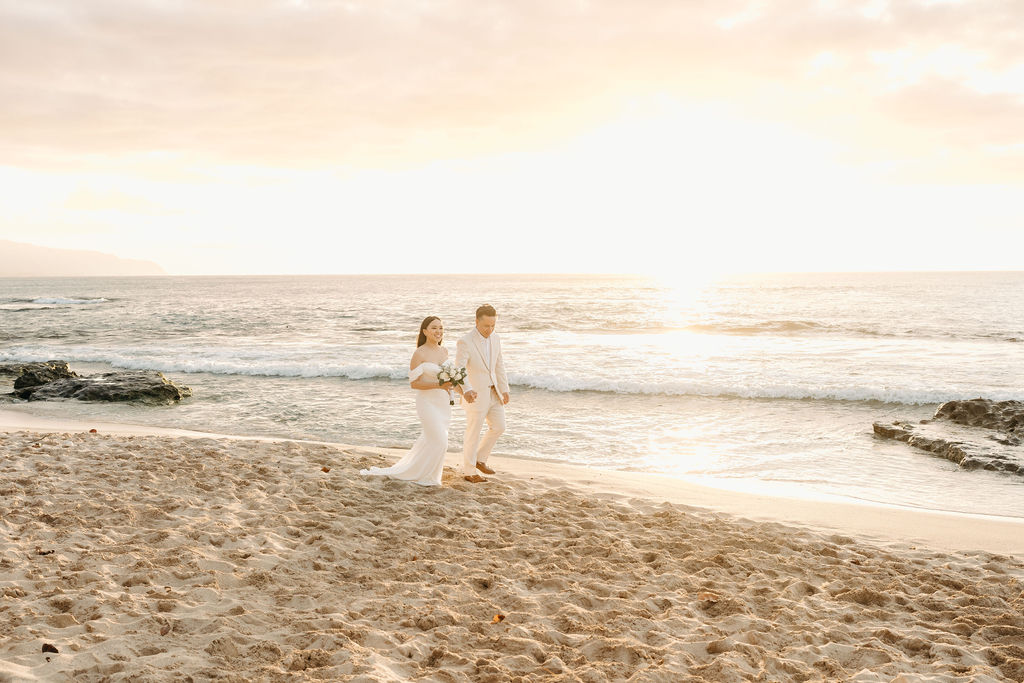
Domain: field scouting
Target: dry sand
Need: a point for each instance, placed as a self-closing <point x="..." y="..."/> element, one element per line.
<point x="166" y="557"/>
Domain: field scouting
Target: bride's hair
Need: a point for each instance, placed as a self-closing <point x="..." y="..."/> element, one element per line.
<point x="423" y="325"/>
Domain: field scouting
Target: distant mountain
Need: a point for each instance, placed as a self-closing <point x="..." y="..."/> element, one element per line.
<point x="27" y="260"/>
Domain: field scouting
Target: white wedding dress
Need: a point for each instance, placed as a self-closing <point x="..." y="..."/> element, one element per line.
<point x="424" y="462"/>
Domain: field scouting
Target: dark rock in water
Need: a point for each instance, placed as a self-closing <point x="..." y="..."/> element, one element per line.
<point x="55" y="380"/>
<point x="1003" y="416"/>
<point x="37" y="374"/>
<point x="31" y="374"/>
<point x="975" y="434"/>
<point x="138" y="385"/>
<point x="17" y="368"/>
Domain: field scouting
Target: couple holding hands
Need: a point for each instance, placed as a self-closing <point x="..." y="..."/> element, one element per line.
<point x="484" y="395"/>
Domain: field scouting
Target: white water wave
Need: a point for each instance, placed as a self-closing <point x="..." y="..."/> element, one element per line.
<point x="67" y="301"/>
<point x="268" y="363"/>
<point x="738" y="389"/>
<point x="257" y="365"/>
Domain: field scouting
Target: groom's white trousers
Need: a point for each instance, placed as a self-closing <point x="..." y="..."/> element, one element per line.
<point x="486" y="408"/>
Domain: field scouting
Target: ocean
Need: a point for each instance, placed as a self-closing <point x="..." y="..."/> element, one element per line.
<point x="762" y="383"/>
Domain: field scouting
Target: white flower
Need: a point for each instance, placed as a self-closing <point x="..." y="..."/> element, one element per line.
<point x="450" y="373"/>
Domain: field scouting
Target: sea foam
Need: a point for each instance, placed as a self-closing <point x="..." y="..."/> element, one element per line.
<point x="67" y="301"/>
<point x="268" y="363"/>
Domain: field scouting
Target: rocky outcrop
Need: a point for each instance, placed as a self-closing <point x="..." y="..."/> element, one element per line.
<point x="1002" y="416"/>
<point x="975" y="434"/>
<point x="55" y="380"/>
<point x="139" y="386"/>
<point x="35" y="374"/>
<point x="17" y="368"/>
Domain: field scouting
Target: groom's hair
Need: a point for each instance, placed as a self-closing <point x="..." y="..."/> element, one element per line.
<point x="485" y="310"/>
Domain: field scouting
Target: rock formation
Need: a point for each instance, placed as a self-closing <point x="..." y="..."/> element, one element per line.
<point x="975" y="434"/>
<point x="34" y="374"/>
<point x="55" y="380"/>
<point x="1004" y="416"/>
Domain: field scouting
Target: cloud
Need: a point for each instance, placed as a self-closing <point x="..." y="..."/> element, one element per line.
<point x="90" y="199"/>
<point x="391" y="83"/>
<point x="958" y="114"/>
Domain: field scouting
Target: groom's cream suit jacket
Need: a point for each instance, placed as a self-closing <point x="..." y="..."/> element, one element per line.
<point x="482" y="371"/>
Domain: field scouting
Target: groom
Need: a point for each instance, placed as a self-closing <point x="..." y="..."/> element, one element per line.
<point x="485" y="392"/>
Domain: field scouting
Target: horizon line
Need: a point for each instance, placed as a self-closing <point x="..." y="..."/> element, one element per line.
<point x="653" y="276"/>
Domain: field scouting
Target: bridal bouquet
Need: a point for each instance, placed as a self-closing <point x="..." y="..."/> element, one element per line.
<point x="450" y="373"/>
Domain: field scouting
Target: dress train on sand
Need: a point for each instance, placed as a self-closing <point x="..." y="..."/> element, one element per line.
<point x="425" y="460"/>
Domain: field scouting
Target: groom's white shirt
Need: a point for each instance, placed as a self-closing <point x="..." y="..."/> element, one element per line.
<point x="483" y="362"/>
<point x="485" y="347"/>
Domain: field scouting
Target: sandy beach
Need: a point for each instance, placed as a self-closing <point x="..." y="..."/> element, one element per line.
<point x="172" y="556"/>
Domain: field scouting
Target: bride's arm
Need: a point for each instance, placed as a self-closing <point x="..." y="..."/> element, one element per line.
<point x="416" y="380"/>
<point x="423" y="384"/>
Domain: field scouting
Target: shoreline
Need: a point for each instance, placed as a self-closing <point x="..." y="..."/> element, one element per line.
<point x="140" y="556"/>
<point x="876" y="522"/>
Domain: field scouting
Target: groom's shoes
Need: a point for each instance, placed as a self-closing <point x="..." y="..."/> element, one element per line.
<point x="484" y="468"/>
<point x="474" y="478"/>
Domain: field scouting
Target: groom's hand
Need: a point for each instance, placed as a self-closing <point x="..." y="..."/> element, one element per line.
<point x="470" y="396"/>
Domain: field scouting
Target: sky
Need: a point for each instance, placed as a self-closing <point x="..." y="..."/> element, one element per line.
<point x="664" y="137"/>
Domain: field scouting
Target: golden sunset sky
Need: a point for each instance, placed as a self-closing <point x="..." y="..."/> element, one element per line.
<point x="647" y="136"/>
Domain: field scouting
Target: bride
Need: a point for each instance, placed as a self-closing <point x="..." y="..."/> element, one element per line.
<point x="423" y="464"/>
